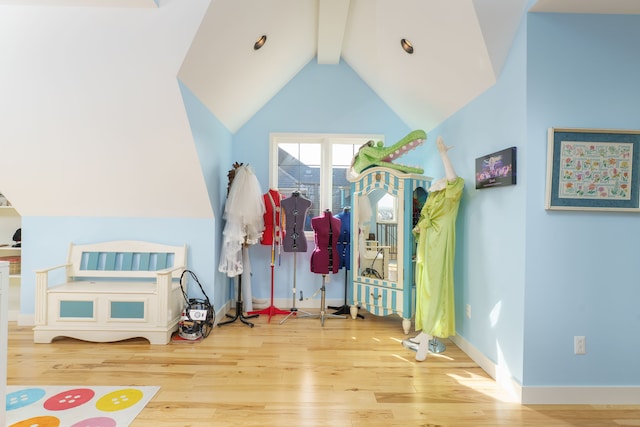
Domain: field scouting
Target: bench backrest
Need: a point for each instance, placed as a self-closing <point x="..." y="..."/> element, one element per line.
<point x="125" y="259"/>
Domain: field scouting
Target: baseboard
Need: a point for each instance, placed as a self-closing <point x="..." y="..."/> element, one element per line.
<point x="588" y="395"/>
<point x="504" y="379"/>
<point x="286" y="304"/>
<point x="550" y="395"/>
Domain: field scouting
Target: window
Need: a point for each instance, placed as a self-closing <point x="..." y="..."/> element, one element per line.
<point x="315" y="165"/>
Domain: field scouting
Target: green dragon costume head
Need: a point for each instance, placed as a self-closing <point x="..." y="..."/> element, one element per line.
<point x="376" y="154"/>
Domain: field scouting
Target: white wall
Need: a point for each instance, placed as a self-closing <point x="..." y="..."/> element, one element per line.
<point x="93" y="122"/>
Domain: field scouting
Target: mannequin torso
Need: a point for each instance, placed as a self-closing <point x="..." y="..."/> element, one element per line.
<point x="324" y="258"/>
<point x="295" y="210"/>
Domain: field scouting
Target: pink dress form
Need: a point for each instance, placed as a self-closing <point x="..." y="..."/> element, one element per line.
<point x="325" y="258"/>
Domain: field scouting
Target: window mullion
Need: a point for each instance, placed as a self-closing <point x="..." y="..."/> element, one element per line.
<point x="326" y="175"/>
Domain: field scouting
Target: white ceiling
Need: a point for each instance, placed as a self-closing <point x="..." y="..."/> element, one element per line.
<point x="460" y="48"/>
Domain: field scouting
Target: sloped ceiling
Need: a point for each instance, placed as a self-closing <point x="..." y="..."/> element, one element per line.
<point x="459" y="50"/>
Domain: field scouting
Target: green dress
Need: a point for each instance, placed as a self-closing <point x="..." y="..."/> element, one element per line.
<point x="436" y="235"/>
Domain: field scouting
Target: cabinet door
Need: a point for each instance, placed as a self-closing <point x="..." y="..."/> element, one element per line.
<point x="378" y="228"/>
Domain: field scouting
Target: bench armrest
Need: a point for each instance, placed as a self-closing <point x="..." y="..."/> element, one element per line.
<point x="171" y="270"/>
<point x="46" y="270"/>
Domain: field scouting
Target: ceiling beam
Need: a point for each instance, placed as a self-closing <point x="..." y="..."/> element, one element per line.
<point x="332" y="22"/>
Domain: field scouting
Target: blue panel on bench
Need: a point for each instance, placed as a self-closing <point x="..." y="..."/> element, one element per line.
<point x="76" y="309"/>
<point x="143" y="262"/>
<point x="127" y="310"/>
<point x="126" y="261"/>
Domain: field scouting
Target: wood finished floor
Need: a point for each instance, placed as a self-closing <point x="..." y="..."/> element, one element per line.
<point x="347" y="373"/>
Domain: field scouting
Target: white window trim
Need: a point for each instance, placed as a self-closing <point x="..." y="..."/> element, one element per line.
<point x="326" y="140"/>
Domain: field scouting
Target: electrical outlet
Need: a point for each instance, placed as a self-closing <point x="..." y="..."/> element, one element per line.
<point x="468" y="311"/>
<point x="579" y="345"/>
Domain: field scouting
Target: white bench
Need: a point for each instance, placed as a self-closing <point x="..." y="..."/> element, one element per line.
<point x="112" y="291"/>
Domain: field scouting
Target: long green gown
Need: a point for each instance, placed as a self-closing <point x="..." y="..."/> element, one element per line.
<point x="436" y="233"/>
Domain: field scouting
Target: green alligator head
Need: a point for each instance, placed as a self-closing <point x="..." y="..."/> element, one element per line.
<point x="376" y="154"/>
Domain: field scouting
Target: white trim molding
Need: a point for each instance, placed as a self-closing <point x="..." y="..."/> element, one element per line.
<point x="550" y="395"/>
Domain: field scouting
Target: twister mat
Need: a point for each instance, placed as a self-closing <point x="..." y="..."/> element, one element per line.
<point x="75" y="406"/>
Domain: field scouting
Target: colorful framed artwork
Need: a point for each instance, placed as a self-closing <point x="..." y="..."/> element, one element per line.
<point x="592" y="169"/>
<point x="496" y="169"/>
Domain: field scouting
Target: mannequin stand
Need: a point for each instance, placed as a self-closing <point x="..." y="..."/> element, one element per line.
<point x="323" y="314"/>
<point x="294" y="311"/>
<point x="239" y="309"/>
<point x="435" y="345"/>
<point x="345" y="309"/>
<point x="272" y="310"/>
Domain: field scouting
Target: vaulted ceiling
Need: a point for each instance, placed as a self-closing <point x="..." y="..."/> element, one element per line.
<point x="459" y="49"/>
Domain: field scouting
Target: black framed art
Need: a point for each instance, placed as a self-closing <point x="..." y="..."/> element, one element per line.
<point x="496" y="169"/>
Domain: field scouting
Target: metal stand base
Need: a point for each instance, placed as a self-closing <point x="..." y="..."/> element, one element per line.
<point x="238" y="315"/>
<point x="323" y="314"/>
<point x="435" y="346"/>
<point x="294" y="311"/>
<point x="345" y="309"/>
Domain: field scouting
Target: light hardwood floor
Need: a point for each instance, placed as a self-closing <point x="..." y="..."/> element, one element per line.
<point x="349" y="373"/>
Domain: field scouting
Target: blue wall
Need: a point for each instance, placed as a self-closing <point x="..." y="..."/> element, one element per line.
<point x="319" y="99"/>
<point x="46" y="241"/>
<point x="489" y="274"/>
<point x="213" y="143"/>
<point x="535" y="278"/>
<point x="582" y="267"/>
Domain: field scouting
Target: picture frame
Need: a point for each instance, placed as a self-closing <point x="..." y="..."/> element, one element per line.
<point x="496" y="169"/>
<point x="592" y="170"/>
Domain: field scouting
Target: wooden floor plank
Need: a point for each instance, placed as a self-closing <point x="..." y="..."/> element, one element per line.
<point x="347" y="373"/>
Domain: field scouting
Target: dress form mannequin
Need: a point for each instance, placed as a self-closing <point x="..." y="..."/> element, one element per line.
<point x="295" y="210"/>
<point x="344" y="253"/>
<point x="435" y="230"/>
<point x="324" y="258"/>
<point x="272" y="219"/>
<point x="272" y="236"/>
<point x="344" y="240"/>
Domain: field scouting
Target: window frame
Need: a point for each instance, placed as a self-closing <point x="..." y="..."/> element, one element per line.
<point x="326" y="141"/>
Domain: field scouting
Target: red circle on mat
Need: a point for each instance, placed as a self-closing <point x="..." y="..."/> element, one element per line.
<point x="96" y="422"/>
<point x="45" y="421"/>
<point x="69" y="399"/>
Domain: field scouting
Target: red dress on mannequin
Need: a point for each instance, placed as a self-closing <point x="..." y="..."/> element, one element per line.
<point x="272" y="218"/>
<point x="325" y="258"/>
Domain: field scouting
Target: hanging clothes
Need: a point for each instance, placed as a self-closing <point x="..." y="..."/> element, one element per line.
<point x="436" y="234"/>
<point x="244" y="225"/>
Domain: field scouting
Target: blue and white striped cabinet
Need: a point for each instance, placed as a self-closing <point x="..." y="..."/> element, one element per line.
<point x="386" y="206"/>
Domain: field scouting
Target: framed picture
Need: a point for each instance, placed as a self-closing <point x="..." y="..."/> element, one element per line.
<point x="592" y="169"/>
<point x="497" y="169"/>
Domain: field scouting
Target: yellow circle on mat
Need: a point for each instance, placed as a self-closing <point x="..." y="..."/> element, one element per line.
<point x="119" y="400"/>
<point x="45" y="421"/>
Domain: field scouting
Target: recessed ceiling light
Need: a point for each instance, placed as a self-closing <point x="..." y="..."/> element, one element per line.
<point x="260" y="42"/>
<point x="407" y="46"/>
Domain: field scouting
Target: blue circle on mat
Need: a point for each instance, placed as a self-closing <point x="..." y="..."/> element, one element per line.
<point x="25" y="397"/>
